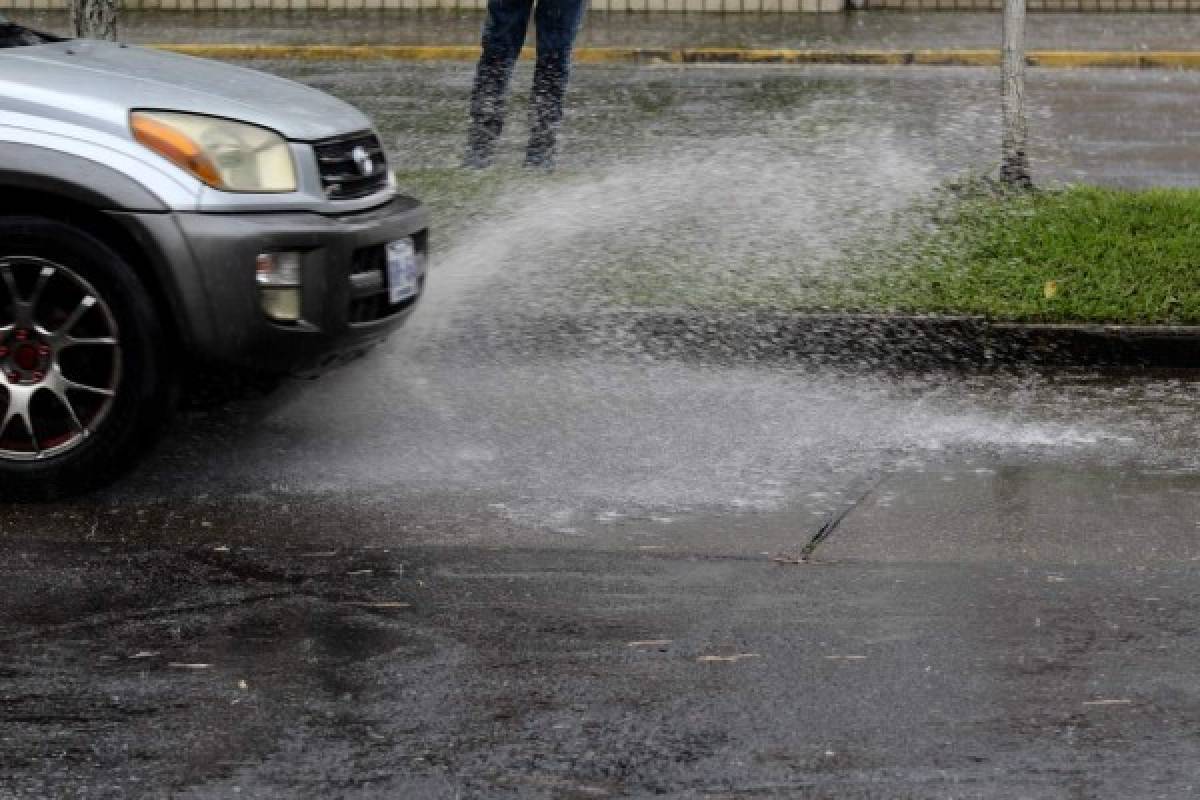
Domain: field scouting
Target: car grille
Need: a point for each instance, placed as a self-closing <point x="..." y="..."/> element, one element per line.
<point x="368" y="283"/>
<point x="341" y="162"/>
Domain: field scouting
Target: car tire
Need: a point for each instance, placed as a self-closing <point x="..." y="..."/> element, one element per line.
<point x="86" y="385"/>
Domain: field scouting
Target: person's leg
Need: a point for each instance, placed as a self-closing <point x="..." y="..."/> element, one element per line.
<point x="503" y="37"/>
<point x="558" y="24"/>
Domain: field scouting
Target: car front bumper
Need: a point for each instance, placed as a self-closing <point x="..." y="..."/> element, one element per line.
<point x="209" y="265"/>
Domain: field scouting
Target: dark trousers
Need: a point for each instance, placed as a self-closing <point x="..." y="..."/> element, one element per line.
<point x="557" y="24"/>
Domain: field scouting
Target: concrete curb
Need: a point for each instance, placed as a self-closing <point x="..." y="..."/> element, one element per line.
<point x="1059" y="59"/>
<point x="875" y="340"/>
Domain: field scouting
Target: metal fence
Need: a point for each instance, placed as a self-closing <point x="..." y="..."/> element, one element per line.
<point x="618" y="6"/>
<point x="1033" y="5"/>
<point x="633" y="6"/>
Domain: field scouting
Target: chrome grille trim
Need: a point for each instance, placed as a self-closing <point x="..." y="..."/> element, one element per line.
<point x="341" y="173"/>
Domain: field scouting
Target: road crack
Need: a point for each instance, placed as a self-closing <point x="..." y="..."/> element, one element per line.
<point x="832" y="521"/>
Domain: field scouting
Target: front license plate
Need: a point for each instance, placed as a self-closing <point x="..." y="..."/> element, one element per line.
<point x="402" y="271"/>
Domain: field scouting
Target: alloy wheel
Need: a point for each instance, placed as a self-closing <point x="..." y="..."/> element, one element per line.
<point x="60" y="359"/>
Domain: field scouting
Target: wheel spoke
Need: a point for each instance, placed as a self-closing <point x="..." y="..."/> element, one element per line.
<point x="81" y="387"/>
<point x="18" y="408"/>
<point x="24" y="309"/>
<point x="66" y="403"/>
<point x="44" y="277"/>
<point x="10" y="283"/>
<point x="85" y="305"/>
<point x="71" y="341"/>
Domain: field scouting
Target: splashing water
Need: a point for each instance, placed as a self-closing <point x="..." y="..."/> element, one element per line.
<point x="737" y="215"/>
<point x="742" y="189"/>
<point x="556" y="437"/>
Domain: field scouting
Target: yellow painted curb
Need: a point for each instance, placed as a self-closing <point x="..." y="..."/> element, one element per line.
<point x="1155" y="59"/>
<point x="326" y="52"/>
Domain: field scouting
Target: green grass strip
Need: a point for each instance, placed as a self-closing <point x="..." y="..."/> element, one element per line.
<point x="1081" y="254"/>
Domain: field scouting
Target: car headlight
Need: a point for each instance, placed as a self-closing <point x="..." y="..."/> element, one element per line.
<point x="227" y="155"/>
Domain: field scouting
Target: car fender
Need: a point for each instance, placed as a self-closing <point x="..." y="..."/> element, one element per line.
<point x="138" y="209"/>
<point x="86" y="181"/>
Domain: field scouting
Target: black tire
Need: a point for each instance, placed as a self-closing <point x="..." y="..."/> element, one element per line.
<point x="143" y="384"/>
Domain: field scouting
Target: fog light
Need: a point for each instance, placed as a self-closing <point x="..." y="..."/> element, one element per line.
<point x="281" y="305"/>
<point x="278" y="277"/>
<point x="278" y="269"/>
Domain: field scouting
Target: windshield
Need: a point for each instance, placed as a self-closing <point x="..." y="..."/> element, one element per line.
<point x="14" y="35"/>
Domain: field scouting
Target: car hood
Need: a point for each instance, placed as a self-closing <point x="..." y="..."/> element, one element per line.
<point x="98" y="83"/>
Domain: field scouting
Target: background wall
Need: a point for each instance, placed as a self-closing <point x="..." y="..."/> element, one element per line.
<point x="693" y="6"/>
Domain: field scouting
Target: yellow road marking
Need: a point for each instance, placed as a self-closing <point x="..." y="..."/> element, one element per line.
<point x="1059" y="59"/>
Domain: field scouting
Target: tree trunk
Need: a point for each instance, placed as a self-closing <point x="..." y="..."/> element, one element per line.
<point x="95" y="19"/>
<point x="1014" y="169"/>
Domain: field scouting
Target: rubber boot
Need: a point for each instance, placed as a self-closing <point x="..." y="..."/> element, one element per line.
<point x="488" y="99"/>
<point x="546" y="110"/>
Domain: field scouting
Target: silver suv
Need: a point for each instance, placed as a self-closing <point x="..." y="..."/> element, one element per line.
<point x="158" y="210"/>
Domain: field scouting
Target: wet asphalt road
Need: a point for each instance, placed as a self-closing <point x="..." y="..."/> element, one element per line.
<point x="472" y="565"/>
<point x="1006" y="638"/>
<point x="1125" y="127"/>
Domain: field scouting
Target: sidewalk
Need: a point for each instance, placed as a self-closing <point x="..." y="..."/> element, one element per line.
<point x="861" y="31"/>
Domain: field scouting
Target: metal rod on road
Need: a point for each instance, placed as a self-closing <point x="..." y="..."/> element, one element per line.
<point x="1014" y="169"/>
